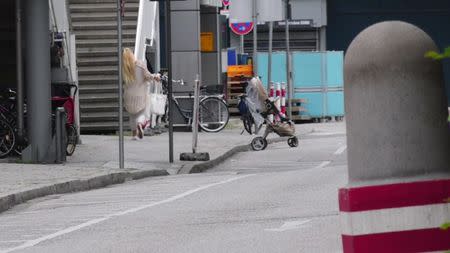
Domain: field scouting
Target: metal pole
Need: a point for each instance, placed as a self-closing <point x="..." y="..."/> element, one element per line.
<point x="119" y="54"/>
<point x="255" y="37"/>
<point x="290" y="89"/>
<point x="19" y="60"/>
<point x="269" y="73"/>
<point x="242" y="44"/>
<point x="195" y="116"/>
<point x="38" y="76"/>
<point x="218" y="48"/>
<point x="169" y="74"/>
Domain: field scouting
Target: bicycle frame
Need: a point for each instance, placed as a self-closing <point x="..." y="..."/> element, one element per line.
<point x="188" y="113"/>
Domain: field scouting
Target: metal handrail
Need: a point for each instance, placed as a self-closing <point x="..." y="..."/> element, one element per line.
<point x="68" y="13"/>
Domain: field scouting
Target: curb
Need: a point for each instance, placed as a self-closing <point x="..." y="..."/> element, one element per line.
<point x="201" y="167"/>
<point x="11" y="200"/>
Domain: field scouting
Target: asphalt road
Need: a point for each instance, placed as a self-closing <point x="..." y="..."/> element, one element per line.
<point x="278" y="200"/>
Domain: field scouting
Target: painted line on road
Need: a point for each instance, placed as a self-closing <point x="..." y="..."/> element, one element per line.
<point x="289" y="225"/>
<point x="326" y="133"/>
<point x="34" y="242"/>
<point x="322" y="165"/>
<point x="340" y="150"/>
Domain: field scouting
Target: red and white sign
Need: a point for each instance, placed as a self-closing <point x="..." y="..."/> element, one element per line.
<point x="226" y="2"/>
<point x="241" y="28"/>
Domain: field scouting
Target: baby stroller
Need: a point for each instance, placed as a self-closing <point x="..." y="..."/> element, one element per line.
<point x="282" y="126"/>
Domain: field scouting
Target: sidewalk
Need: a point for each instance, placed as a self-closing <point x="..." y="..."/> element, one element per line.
<point x="95" y="162"/>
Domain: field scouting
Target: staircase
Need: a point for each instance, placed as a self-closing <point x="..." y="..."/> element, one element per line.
<point x="7" y="44"/>
<point x="94" y="23"/>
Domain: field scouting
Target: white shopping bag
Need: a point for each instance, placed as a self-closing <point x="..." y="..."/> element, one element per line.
<point x="156" y="100"/>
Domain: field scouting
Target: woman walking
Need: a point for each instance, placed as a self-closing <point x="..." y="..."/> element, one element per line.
<point x="136" y="78"/>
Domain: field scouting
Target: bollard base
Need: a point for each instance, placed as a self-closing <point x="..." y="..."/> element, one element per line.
<point x="194" y="156"/>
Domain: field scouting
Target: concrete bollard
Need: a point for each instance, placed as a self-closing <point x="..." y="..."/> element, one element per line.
<point x="398" y="143"/>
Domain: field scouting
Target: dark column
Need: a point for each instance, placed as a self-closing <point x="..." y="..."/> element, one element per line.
<point x="38" y="78"/>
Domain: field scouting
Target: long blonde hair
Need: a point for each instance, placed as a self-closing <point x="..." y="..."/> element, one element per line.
<point x="128" y="66"/>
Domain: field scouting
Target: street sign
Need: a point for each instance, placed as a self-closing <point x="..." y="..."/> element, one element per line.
<point x="266" y="10"/>
<point x="241" y="28"/>
<point x="270" y="10"/>
<point x="226" y="2"/>
<point x="241" y="11"/>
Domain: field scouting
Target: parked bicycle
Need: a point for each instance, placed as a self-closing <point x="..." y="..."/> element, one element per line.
<point x="9" y="141"/>
<point x="7" y="138"/>
<point x="213" y="110"/>
<point x="67" y="100"/>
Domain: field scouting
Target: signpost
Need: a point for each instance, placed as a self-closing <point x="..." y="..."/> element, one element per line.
<point x="120" y="14"/>
<point x="242" y="29"/>
<point x="169" y="72"/>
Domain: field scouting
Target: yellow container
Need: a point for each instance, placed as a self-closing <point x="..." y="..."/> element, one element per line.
<point x="207" y="41"/>
<point x="240" y="70"/>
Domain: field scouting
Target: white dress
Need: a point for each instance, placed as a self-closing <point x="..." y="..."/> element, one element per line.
<point x="136" y="95"/>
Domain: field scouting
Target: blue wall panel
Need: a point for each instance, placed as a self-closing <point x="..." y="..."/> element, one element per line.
<point x="317" y="77"/>
<point x="335" y="103"/>
<point x="313" y="105"/>
<point x="278" y="66"/>
<point x="307" y="68"/>
<point x="335" y="66"/>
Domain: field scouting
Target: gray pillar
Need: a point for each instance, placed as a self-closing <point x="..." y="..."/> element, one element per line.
<point x="323" y="38"/>
<point x="38" y="78"/>
<point x="395" y="103"/>
<point x="19" y="73"/>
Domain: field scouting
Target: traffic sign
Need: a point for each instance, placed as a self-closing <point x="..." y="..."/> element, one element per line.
<point x="226" y="2"/>
<point x="242" y="28"/>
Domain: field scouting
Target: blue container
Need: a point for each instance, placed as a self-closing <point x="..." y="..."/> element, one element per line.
<point x="317" y="77"/>
<point x="232" y="56"/>
<point x="243" y="59"/>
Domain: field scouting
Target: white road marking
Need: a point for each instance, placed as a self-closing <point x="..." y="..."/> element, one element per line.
<point x="326" y="133"/>
<point x="289" y="225"/>
<point x="340" y="150"/>
<point x="34" y="242"/>
<point x="322" y="165"/>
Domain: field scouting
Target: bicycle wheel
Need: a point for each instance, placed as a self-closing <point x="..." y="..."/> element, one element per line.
<point x="7" y="138"/>
<point x="213" y="114"/>
<point x="21" y="145"/>
<point x="72" y="139"/>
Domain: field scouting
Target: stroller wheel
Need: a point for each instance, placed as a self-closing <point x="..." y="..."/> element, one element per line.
<point x="293" y="142"/>
<point x="259" y="143"/>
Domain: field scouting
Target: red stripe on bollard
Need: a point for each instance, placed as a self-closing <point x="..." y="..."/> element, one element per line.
<point x="423" y="240"/>
<point x="394" y="195"/>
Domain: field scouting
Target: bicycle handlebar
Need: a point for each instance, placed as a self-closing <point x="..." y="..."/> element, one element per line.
<point x="181" y="81"/>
